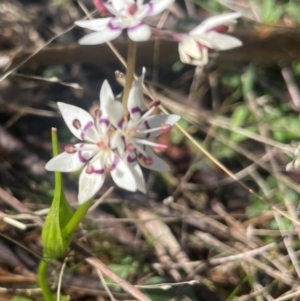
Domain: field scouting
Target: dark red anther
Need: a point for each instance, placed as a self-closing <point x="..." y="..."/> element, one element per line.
<point x="160" y="148"/>
<point x="155" y="103"/>
<point x="220" y="28"/>
<point x="130" y="147"/>
<point x="148" y="161"/>
<point x="165" y="127"/>
<point x="132" y="9"/>
<point x="97" y="112"/>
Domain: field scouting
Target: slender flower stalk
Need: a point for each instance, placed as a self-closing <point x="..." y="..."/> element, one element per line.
<point x="42" y="274"/>
<point x="131" y="57"/>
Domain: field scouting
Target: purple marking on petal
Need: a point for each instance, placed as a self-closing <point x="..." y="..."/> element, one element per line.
<point x="104" y="121"/>
<point x="81" y="157"/>
<point x="88" y="126"/>
<point x="99" y="171"/>
<point x="115" y="163"/>
<point x="130" y="159"/>
<point x="124" y="141"/>
<point x="150" y="9"/>
<point x="120" y="123"/>
<point x="76" y="123"/>
<point x="147" y="127"/>
<point x="137" y="25"/>
<point x="111" y="26"/>
<point x="136" y="110"/>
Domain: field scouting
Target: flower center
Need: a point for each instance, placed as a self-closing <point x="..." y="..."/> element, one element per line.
<point x="101" y="144"/>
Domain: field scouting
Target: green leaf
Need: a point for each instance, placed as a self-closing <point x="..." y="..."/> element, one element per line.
<point x="19" y="298"/>
<point x="248" y="80"/>
<point x="268" y="6"/>
<point x="237" y="137"/>
<point x="176" y="135"/>
<point x="239" y="116"/>
<point x="54" y="243"/>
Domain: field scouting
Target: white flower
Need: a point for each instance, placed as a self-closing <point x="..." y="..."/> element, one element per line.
<point x="208" y="36"/>
<point x="95" y="153"/>
<point x="132" y="136"/>
<point x="127" y="14"/>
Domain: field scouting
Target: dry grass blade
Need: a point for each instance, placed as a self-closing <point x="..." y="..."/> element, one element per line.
<point x="117" y="279"/>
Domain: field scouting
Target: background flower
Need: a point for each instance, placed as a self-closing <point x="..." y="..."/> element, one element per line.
<point x="127" y="14"/>
<point x="208" y="37"/>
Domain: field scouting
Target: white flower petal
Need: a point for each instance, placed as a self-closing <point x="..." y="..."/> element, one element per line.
<point x="182" y="54"/>
<point x="116" y="112"/>
<point x="91" y="178"/>
<point x="186" y="57"/>
<point x="135" y="98"/>
<point x="95" y="24"/>
<point x="212" y="22"/>
<point x="64" y="162"/>
<point x="157" y="6"/>
<point x="138" y="175"/>
<point x="139" y="3"/>
<point x="191" y="48"/>
<point x="106" y="94"/>
<point x="117" y="141"/>
<point x="89" y="185"/>
<point x="223" y="41"/>
<point x="100" y="37"/>
<point x="122" y="175"/>
<point x="119" y="5"/>
<point x="155" y="121"/>
<point x="139" y="32"/>
<point x="157" y="163"/>
<point x="79" y="122"/>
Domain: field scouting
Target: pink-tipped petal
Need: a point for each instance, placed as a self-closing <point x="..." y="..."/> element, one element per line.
<point x="157" y="6"/>
<point x="78" y="120"/>
<point x="156" y="121"/>
<point x="122" y="175"/>
<point x="139" y="32"/>
<point x="100" y="37"/>
<point x="153" y="162"/>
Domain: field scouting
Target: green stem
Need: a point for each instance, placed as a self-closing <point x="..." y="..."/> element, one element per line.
<point x="131" y="56"/>
<point x="42" y="273"/>
<point x="76" y="219"/>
